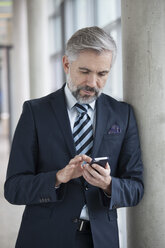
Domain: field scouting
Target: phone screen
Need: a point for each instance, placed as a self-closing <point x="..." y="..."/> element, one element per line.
<point x="100" y="161"/>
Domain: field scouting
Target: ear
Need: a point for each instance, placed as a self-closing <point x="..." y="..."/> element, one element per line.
<point x="65" y="63"/>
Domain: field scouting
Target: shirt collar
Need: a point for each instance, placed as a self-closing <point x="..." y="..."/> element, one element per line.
<point x="71" y="100"/>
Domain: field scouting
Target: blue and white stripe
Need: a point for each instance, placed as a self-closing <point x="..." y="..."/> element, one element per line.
<point x="83" y="130"/>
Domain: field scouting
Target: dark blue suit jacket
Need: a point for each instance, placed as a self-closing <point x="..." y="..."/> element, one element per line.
<point x="43" y="144"/>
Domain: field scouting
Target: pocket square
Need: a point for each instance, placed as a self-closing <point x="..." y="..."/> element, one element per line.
<point x="115" y="129"/>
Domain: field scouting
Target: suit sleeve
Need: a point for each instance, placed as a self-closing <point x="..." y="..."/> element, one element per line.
<point x="24" y="186"/>
<point x="127" y="187"/>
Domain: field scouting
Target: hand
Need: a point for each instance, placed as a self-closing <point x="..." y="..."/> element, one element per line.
<point x="72" y="170"/>
<point x="98" y="176"/>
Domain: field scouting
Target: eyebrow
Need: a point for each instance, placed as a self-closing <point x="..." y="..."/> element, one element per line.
<point x="86" y="69"/>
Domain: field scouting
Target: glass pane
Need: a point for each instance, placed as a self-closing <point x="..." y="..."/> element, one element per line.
<point x="69" y="19"/>
<point x="81" y="17"/>
<point x="58" y="34"/>
<point x="56" y="3"/>
<point x="56" y="73"/>
<point x="108" y="11"/>
<point x="83" y="14"/>
<point x="53" y="6"/>
<point x="55" y="35"/>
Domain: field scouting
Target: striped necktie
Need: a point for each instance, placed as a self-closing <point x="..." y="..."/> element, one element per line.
<point x="83" y="130"/>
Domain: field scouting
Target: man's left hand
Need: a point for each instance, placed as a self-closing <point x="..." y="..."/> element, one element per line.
<point x="98" y="176"/>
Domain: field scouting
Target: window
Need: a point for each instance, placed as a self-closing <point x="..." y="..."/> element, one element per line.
<point x="56" y="43"/>
<point x="108" y="11"/>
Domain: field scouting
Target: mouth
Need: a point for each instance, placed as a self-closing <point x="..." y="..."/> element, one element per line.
<point x="87" y="92"/>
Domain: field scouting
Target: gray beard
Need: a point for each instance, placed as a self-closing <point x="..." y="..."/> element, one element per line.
<point x="86" y="99"/>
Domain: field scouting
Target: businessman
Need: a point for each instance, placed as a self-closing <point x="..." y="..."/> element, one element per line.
<point x="71" y="202"/>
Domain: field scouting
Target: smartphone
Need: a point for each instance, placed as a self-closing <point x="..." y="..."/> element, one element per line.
<point x="100" y="161"/>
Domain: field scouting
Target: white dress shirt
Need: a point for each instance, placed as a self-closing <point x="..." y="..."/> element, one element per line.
<point x="72" y="112"/>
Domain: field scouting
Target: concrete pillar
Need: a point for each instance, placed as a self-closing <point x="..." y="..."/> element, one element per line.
<point x="38" y="47"/>
<point x="4" y="106"/>
<point x="3" y="83"/>
<point x="143" y="30"/>
<point x="19" y="64"/>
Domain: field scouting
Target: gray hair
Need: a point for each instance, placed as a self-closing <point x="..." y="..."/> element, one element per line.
<point x="90" y="38"/>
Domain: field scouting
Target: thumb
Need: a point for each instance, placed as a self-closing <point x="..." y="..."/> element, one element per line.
<point x="107" y="166"/>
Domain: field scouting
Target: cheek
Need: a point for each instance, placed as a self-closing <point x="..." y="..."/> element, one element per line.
<point x="74" y="79"/>
<point x="77" y="78"/>
<point x="101" y="83"/>
<point x="81" y="79"/>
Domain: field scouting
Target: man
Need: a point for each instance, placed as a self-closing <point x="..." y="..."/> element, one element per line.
<point x="71" y="202"/>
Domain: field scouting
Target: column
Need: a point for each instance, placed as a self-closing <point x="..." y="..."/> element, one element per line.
<point x="143" y="30"/>
<point x="19" y="62"/>
<point x="38" y="47"/>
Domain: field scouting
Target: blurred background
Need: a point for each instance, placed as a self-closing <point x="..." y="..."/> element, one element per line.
<point x="33" y="34"/>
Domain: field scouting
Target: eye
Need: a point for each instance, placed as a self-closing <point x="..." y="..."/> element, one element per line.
<point x="84" y="72"/>
<point x="102" y="74"/>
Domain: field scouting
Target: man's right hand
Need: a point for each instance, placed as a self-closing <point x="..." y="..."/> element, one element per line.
<point x="73" y="170"/>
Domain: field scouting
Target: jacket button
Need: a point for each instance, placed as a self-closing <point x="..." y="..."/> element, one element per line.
<point x="86" y="187"/>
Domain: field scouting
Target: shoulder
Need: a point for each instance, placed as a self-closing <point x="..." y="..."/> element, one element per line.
<point x="118" y="109"/>
<point x="121" y="111"/>
<point x="43" y="107"/>
<point x="44" y="101"/>
<point x="114" y="104"/>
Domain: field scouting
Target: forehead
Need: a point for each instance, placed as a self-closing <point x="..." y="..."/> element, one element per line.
<point x="93" y="60"/>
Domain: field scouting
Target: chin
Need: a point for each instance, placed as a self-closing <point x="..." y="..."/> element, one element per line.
<point x="86" y="99"/>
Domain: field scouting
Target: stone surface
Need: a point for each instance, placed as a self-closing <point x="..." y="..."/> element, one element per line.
<point x="37" y="16"/>
<point x="143" y="25"/>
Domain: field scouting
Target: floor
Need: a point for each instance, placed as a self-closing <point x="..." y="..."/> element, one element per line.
<point x="10" y="215"/>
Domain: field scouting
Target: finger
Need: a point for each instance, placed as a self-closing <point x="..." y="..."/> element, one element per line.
<point x="107" y="166"/>
<point x="101" y="170"/>
<point x="75" y="167"/>
<point x="89" y="178"/>
<point x="76" y="159"/>
<point x="86" y="158"/>
<point x="92" y="171"/>
<point x="70" y="167"/>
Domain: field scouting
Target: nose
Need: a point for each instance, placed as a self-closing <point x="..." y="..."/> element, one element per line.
<point x="92" y="80"/>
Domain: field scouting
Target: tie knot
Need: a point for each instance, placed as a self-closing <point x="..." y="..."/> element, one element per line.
<point x="82" y="108"/>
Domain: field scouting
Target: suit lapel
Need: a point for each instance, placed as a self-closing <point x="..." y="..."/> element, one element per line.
<point x="58" y="104"/>
<point x="102" y="116"/>
<point x="60" y="110"/>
